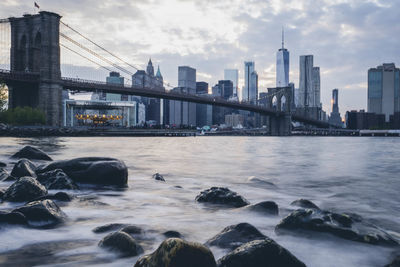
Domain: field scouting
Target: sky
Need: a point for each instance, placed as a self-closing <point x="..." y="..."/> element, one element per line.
<point x="346" y="37"/>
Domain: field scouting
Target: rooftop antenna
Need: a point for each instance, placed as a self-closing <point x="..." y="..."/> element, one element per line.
<point x="283" y="38"/>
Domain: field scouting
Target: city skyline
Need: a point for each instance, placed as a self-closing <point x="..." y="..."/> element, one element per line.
<point x="223" y="35"/>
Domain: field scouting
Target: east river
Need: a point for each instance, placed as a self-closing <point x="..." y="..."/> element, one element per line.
<point x="340" y="174"/>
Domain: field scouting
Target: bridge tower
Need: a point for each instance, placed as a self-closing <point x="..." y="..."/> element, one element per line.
<point x="35" y="48"/>
<point x="280" y="99"/>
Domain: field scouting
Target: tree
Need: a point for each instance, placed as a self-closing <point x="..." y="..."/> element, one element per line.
<point x="3" y="96"/>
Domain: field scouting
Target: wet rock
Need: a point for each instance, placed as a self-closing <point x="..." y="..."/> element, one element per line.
<point x="3" y="175"/>
<point x="341" y="225"/>
<point x="175" y="252"/>
<point x="12" y="218"/>
<point x="260" y="253"/>
<point x="171" y="234"/>
<point x="222" y="195"/>
<point x="60" y="196"/>
<point x="43" y="213"/>
<point x="394" y="263"/>
<point x="3" y="165"/>
<point x="265" y="207"/>
<point x="33" y="153"/>
<point x="94" y="170"/>
<point x="234" y="236"/>
<point x="304" y="203"/>
<point x="23" y="167"/>
<point x="122" y="243"/>
<point x="25" y="189"/>
<point x="132" y="230"/>
<point x="158" y="177"/>
<point x="56" y="179"/>
<point x="108" y="228"/>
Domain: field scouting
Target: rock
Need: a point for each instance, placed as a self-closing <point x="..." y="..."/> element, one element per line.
<point x="222" y="195"/>
<point x="108" y="228"/>
<point x="122" y="243"/>
<point x="260" y="253"/>
<point x="234" y="236"/>
<point x="43" y="213"/>
<point x="132" y="230"/>
<point x="304" y="203"/>
<point x="341" y="225"/>
<point x="1" y="193"/>
<point x="56" y="179"/>
<point x="99" y="171"/>
<point x="158" y="177"/>
<point x="175" y="252"/>
<point x="30" y="152"/>
<point x="2" y="164"/>
<point x="265" y="207"/>
<point x="394" y="263"/>
<point x="3" y="174"/>
<point x="25" y="189"/>
<point x="23" y="167"/>
<point x="60" y="196"/>
<point x="12" y="218"/>
<point x="169" y="234"/>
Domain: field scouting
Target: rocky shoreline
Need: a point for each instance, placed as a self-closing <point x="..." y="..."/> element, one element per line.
<point x="34" y="173"/>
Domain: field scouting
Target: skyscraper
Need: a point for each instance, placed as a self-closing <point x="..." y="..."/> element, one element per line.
<point x="232" y="75"/>
<point x="250" y="89"/>
<point x="316" y="85"/>
<point x="384" y="90"/>
<point x="335" y="115"/>
<point x="282" y="66"/>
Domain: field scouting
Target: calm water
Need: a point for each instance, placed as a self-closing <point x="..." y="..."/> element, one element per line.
<point x="359" y="175"/>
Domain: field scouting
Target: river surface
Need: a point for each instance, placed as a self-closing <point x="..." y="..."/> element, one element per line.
<point x="344" y="174"/>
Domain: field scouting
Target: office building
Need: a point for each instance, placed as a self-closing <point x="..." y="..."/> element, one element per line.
<point x="201" y="88"/>
<point x="282" y="65"/>
<point x="316" y="87"/>
<point x="384" y="90"/>
<point x="335" y="115"/>
<point x="359" y="120"/>
<point x="233" y="75"/>
<point x="305" y="84"/>
<point x="250" y="89"/>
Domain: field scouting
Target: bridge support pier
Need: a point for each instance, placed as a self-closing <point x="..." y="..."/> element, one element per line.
<point x="280" y="125"/>
<point x="50" y="102"/>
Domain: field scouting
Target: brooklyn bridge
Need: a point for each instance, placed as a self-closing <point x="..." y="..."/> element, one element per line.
<point x="32" y="45"/>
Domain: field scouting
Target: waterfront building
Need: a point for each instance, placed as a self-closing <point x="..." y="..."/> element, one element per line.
<point x="234" y="120"/>
<point x="360" y="120"/>
<point x="250" y="89"/>
<point x="181" y="112"/>
<point x="335" y="115"/>
<point x="282" y="65"/>
<point x="233" y="76"/>
<point x="201" y="88"/>
<point x="384" y="90"/>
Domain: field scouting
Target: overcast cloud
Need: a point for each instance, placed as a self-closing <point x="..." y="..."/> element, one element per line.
<point x="345" y="37"/>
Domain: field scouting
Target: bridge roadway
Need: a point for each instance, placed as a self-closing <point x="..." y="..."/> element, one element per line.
<point x="76" y="84"/>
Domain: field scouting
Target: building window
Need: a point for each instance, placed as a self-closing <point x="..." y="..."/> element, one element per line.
<point x="375" y="84"/>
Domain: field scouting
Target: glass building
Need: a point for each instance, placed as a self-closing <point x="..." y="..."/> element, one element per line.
<point x="282" y="66"/>
<point x="232" y="75"/>
<point x="250" y="89"/>
<point x="383" y="90"/>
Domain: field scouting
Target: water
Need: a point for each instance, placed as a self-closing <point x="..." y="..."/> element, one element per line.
<point x="359" y="175"/>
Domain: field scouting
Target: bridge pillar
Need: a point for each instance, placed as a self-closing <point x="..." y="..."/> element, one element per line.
<point x="280" y="125"/>
<point x="35" y="48"/>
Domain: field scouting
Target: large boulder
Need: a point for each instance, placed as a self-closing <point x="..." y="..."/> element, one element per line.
<point x="108" y="227"/>
<point x="93" y="170"/>
<point x="264" y="207"/>
<point x="56" y="179"/>
<point x="12" y="218"/>
<point x="260" y="253"/>
<point x="175" y="252"/>
<point x="42" y="213"/>
<point x="234" y="236"/>
<point x="33" y="153"/>
<point x="2" y="164"/>
<point x="222" y="195"/>
<point x="304" y="203"/>
<point x="122" y="243"/>
<point x="23" y="167"/>
<point x="346" y="226"/>
<point x="60" y="196"/>
<point x="24" y="189"/>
